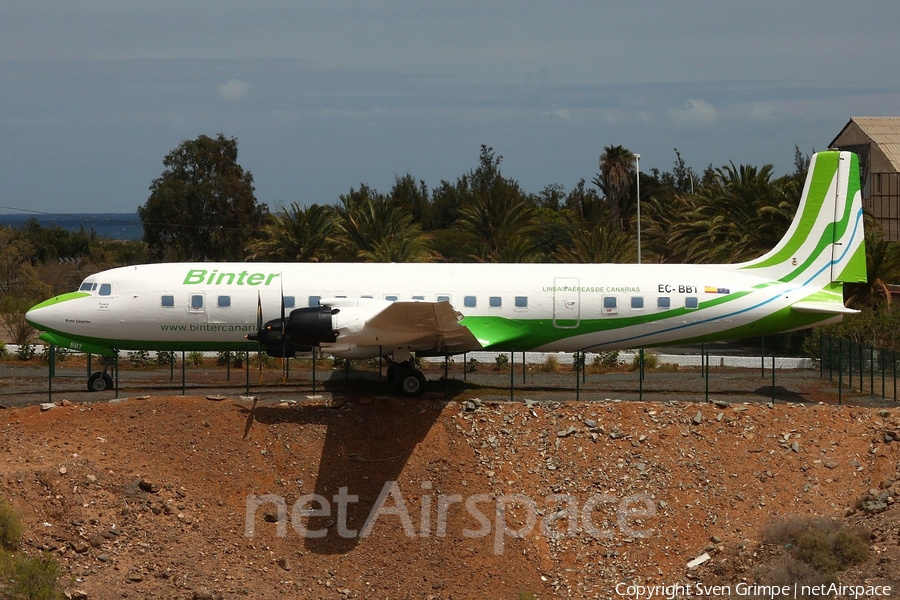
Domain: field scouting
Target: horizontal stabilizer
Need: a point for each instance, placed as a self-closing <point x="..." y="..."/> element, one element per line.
<point x="823" y="308"/>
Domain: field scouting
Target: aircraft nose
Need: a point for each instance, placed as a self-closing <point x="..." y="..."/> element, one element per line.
<point x="40" y="316"/>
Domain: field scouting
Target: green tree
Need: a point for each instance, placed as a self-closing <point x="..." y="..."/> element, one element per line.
<point x="615" y="181"/>
<point x="295" y="235"/>
<point x="601" y="243"/>
<point x="739" y="215"/>
<point x="371" y="228"/>
<point x="498" y="217"/>
<point x="202" y="206"/>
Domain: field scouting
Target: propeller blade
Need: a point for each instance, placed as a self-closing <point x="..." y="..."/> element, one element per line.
<point x="283" y="334"/>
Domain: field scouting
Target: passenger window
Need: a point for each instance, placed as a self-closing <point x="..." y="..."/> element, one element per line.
<point x="418" y="298"/>
<point x="196" y="302"/>
<point x="469" y="302"/>
<point x="691" y="302"/>
<point x="224" y="301"/>
<point x="314" y="300"/>
<point x="105" y="289"/>
<point x="443" y="298"/>
<point x="610" y="305"/>
<point x="495" y="302"/>
<point x="521" y="301"/>
<point x="391" y="297"/>
<point x="167" y="301"/>
<point x="288" y="301"/>
<point x="637" y="303"/>
<point x="663" y="302"/>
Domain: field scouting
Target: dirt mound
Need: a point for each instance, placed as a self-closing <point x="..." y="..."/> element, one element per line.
<point x="188" y="497"/>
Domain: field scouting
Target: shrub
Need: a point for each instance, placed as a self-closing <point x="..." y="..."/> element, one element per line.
<point x="235" y="359"/>
<point x="608" y="359"/>
<point x="10" y="526"/>
<point x="194" y="359"/>
<point x="164" y="358"/>
<point x="651" y="361"/>
<point x="26" y="578"/>
<point x="502" y="361"/>
<point x="139" y="358"/>
<point x="471" y="366"/>
<point x="25" y="351"/>
<point x="789" y="571"/>
<point x="3" y="351"/>
<point x="825" y="544"/>
<point x="551" y="365"/>
<point x="830" y="550"/>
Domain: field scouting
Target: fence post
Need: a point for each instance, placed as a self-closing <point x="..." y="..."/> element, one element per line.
<point x="840" y="369"/>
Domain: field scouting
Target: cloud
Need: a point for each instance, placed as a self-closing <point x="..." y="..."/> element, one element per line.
<point x="763" y="111"/>
<point x="694" y="112"/>
<point x="234" y="89"/>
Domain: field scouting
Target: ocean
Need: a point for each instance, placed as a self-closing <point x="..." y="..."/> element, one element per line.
<point x="115" y="226"/>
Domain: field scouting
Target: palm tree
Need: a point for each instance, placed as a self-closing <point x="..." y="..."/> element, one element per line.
<point x="882" y="267"/>
<point x="602" y="243"/>
<point x="615" y="181"/>
<point x="740" y="214"/>
<point x="501" y="226"/>
<point x="371" y="228"/>
<point x="297" y="235"/>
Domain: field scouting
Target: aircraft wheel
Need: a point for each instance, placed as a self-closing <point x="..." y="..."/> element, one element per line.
<point x="99" y="382"/>
<point x="410" y="382"/>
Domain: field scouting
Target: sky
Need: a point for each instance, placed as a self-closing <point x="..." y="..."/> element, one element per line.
<point x="324" y="96"/>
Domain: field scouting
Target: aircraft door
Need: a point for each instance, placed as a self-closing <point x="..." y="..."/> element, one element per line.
<point x="566" y="305"/>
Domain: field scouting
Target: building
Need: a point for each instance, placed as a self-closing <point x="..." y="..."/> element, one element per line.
<point x="877" y="142"/>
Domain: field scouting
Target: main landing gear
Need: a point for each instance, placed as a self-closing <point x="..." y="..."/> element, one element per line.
<point x="100" y="381"/>
<point x="408" y="380"/>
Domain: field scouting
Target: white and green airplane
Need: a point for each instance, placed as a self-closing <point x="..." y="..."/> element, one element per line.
<point x="359" y="311"/>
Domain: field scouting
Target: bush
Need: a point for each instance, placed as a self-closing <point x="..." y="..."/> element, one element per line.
<point x="502" y="361"/>
<point x="164" y="358"/>
<point x="551" y="365"/>
<point x="825" y="544"/>
<point x="26" y="578"/>
<point x="235" y="359"/>
<point x="194" y="359"/>
<point x="789" y="571"/>
<point x="471" y="366"/>
<point x="651" y="361"/>
<point x="139" y="358"/>
<point x="832" y="550"/>
<point x="3" y="351"/>
<point x="10" y="526"/>
<point x="608" y="359"/>
<point x="25" y="351"/>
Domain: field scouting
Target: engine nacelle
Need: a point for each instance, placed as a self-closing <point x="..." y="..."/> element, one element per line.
<point x="312" y="325"/>
<point x="340" y="320"/>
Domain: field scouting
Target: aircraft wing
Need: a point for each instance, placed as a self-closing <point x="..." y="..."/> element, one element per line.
<point x="823" y="308"/>
<point x="434" y="324"/>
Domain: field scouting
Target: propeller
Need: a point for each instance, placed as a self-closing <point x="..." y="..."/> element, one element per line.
<point x="283" y="334"/>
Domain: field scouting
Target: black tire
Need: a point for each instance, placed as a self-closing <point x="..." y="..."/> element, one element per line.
<point x="410" y="382"/>
<point x="99" y="382"/>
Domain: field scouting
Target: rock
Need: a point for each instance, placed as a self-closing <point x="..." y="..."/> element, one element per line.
<point x="566" y="432"/>
<point x="45" y="406"/>
<point x="148" y="486"/>
<point x="135" y="577"/>
<point x="590" y="423"/>
<point x="284" y="563"/>
<point x="76" y="594"/>
<point x="96" y="540"/>
<point x="698" y="418"/>
<point x="795" y="446"/>
<point x="270" y="516"/>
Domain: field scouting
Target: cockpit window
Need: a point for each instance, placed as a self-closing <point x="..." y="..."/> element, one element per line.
<point x="105" y="289"/>
<point x="87" y="286"/>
